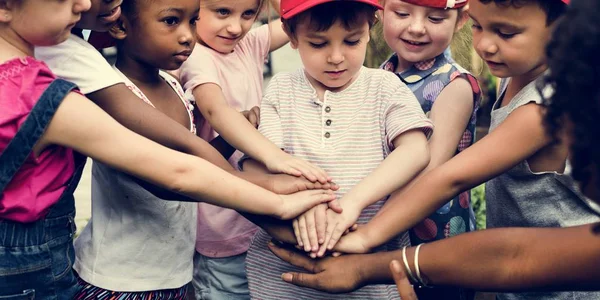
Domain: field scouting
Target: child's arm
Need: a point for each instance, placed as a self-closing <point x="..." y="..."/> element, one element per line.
<point x="411" y="153"/>
<point x="84" y="127"/>
<point x="450" y="115"/>
<point x="239" y="133"/>
<point x="520" y="136"/>
<point x="503" y="259"/>
<point x="278" y="36"/>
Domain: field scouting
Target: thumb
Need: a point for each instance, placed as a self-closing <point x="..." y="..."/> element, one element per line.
<point x="405" y="289"/>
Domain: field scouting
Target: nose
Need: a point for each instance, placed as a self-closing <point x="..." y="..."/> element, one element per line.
<point x="81" y="6"/>
<point x="484" y="44"/>
<point x="417" y="26"/>
<point x="336" y="56"/>
<point x="187" y="36"/>
<point x="235" y="27"/>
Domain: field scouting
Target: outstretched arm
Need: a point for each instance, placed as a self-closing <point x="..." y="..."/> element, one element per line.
<point x="84" y="127"/>
<point x="505" y="259"/>
<point x="516" y="139"/>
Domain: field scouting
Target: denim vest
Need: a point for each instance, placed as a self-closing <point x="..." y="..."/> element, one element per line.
<point x="36" y="258"/>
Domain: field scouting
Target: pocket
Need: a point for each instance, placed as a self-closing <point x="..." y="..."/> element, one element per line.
<point x="25" y="295"/>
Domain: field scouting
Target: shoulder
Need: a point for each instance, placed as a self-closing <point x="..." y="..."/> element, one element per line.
<point x="528" y="94"/>
<point x="383" y="82"/>
<point x="28" y="79"/>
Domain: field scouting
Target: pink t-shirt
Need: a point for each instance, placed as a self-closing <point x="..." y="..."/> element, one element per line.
<point x="40" y="181"/>
<point x="223" y="232"/>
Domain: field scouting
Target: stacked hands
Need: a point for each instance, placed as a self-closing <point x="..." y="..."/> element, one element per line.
<point x="319" y="228"/>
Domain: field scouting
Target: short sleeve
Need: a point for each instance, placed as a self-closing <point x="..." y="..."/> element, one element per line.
<point x="257" y="43"/>
<point x="198" y="69"/>
<point x="402" y="111"/>
<point x="270" y="118"/>
<point x="77" y="61"/>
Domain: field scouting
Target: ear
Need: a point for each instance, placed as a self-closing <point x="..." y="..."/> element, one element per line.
<point x="119" y="29"/>
<point x="6" y="8"/>
<point x="463" y="17"/>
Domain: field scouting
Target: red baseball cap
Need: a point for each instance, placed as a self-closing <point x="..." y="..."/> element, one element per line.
<point x="290" y="8"/>
<point x="439" y="3"/>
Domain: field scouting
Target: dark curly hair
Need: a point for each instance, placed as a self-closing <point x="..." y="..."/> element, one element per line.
<point x="553" y="8"/>
<point x="574" y="62"/>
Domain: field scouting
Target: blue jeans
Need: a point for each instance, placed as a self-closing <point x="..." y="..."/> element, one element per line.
<point x="220" y="278"/>
<point x="36" y="258"/>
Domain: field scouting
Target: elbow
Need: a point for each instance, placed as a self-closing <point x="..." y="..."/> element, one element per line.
<point x="422" y="157"/>
<point x="180" y="179"/>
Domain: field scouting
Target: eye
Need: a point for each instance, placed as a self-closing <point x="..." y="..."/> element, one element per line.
<point x="505" y="35"/>
<point x="171" y="21"/>
<point x="436" y="19"/>
<point x="401" y="14"/>
<point x="194" y="20"/>
<point x="223" y="12"/>
<point x="476" y="27"/>
<point x="352" y="43"/>
<point x="317" y="45"/>
<point x="249" y="14"/>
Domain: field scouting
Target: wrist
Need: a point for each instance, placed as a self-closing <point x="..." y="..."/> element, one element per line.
<point x="374" y="268"/>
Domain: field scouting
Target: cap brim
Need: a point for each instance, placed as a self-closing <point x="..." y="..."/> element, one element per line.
<point x="310" y="4"/>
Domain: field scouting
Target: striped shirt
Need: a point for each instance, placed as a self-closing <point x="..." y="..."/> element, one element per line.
<point x="348" y="134"/>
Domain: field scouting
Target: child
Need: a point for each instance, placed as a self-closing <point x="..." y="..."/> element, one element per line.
<point x="225" y="75"/>
<point x="526" y="187"/>
<point x="40" y="170"/>
<point x="343" y="117"/>
<point x="418" y="32"/>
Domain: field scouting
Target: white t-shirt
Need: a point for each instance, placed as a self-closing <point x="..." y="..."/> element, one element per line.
<point x="136" y="242"/>
<point x="77" y="61"/>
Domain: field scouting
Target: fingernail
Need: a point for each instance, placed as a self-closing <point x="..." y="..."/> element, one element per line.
<point x="287" y="277"/>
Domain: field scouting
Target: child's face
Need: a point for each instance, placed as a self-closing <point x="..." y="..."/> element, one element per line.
<point x="164" y="33"/>
<point x="417" y="33"/>
<point x="43" y="22"/>
<point x="334" y="57"/>
<point x="224" y="23"/>
<point x="510" y="40"/>
<point x="101" y="16"/>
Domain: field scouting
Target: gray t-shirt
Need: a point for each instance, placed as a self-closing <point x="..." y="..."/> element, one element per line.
<point x="522" y="198"/>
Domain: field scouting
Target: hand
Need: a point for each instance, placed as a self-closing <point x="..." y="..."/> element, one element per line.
<point x="309" y="229"/>
<point x="287" y="164"/>
<point x="332" y="274"/>
<point x="354" y="242"/>
<point x="288" y="184"/>
<point x="253" y="116"/>
<point x="337" y="225"/>
<point x="405" y="289"/>
<point x="297" y="203"/>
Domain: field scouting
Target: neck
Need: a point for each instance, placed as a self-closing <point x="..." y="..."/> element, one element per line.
<point x="12" y="45"/>
<point x="140" y="73"/>
<point x="403" y="65"/>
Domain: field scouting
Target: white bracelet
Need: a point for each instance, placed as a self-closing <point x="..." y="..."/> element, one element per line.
<point x="417" y="269"/>
<point x="410" y="274"/>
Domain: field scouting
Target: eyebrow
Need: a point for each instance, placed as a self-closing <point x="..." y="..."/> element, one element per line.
<point x="498" y="24"/>
<point x="315" y="35"/>
<point x="172" y="9"/>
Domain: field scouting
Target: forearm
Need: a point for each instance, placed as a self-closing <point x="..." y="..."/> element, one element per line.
<point x="240" y="134"/>
<point x="221" y="145"/>
<point x="388" y="176"/>
<point x="404" y="210"/>
<point x="515" y="259"/>
<point x="147" y="121"/>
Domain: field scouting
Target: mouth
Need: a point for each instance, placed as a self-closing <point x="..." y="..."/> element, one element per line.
<point x="335" y="74"/>
<point x="183" y="55"/>
<point x="415" y="43"/>
<point x="231" y="39"/>
<point x="493" y="65"/>
<point x="112" y="16"/>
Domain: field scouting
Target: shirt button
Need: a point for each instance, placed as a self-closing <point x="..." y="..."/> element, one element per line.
<point x="328" y="122"/>
<point x="327" y="109"/>
<point x="327" y="135"/>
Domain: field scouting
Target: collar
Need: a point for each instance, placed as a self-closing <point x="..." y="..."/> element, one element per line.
<point x="417" y="71"/>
